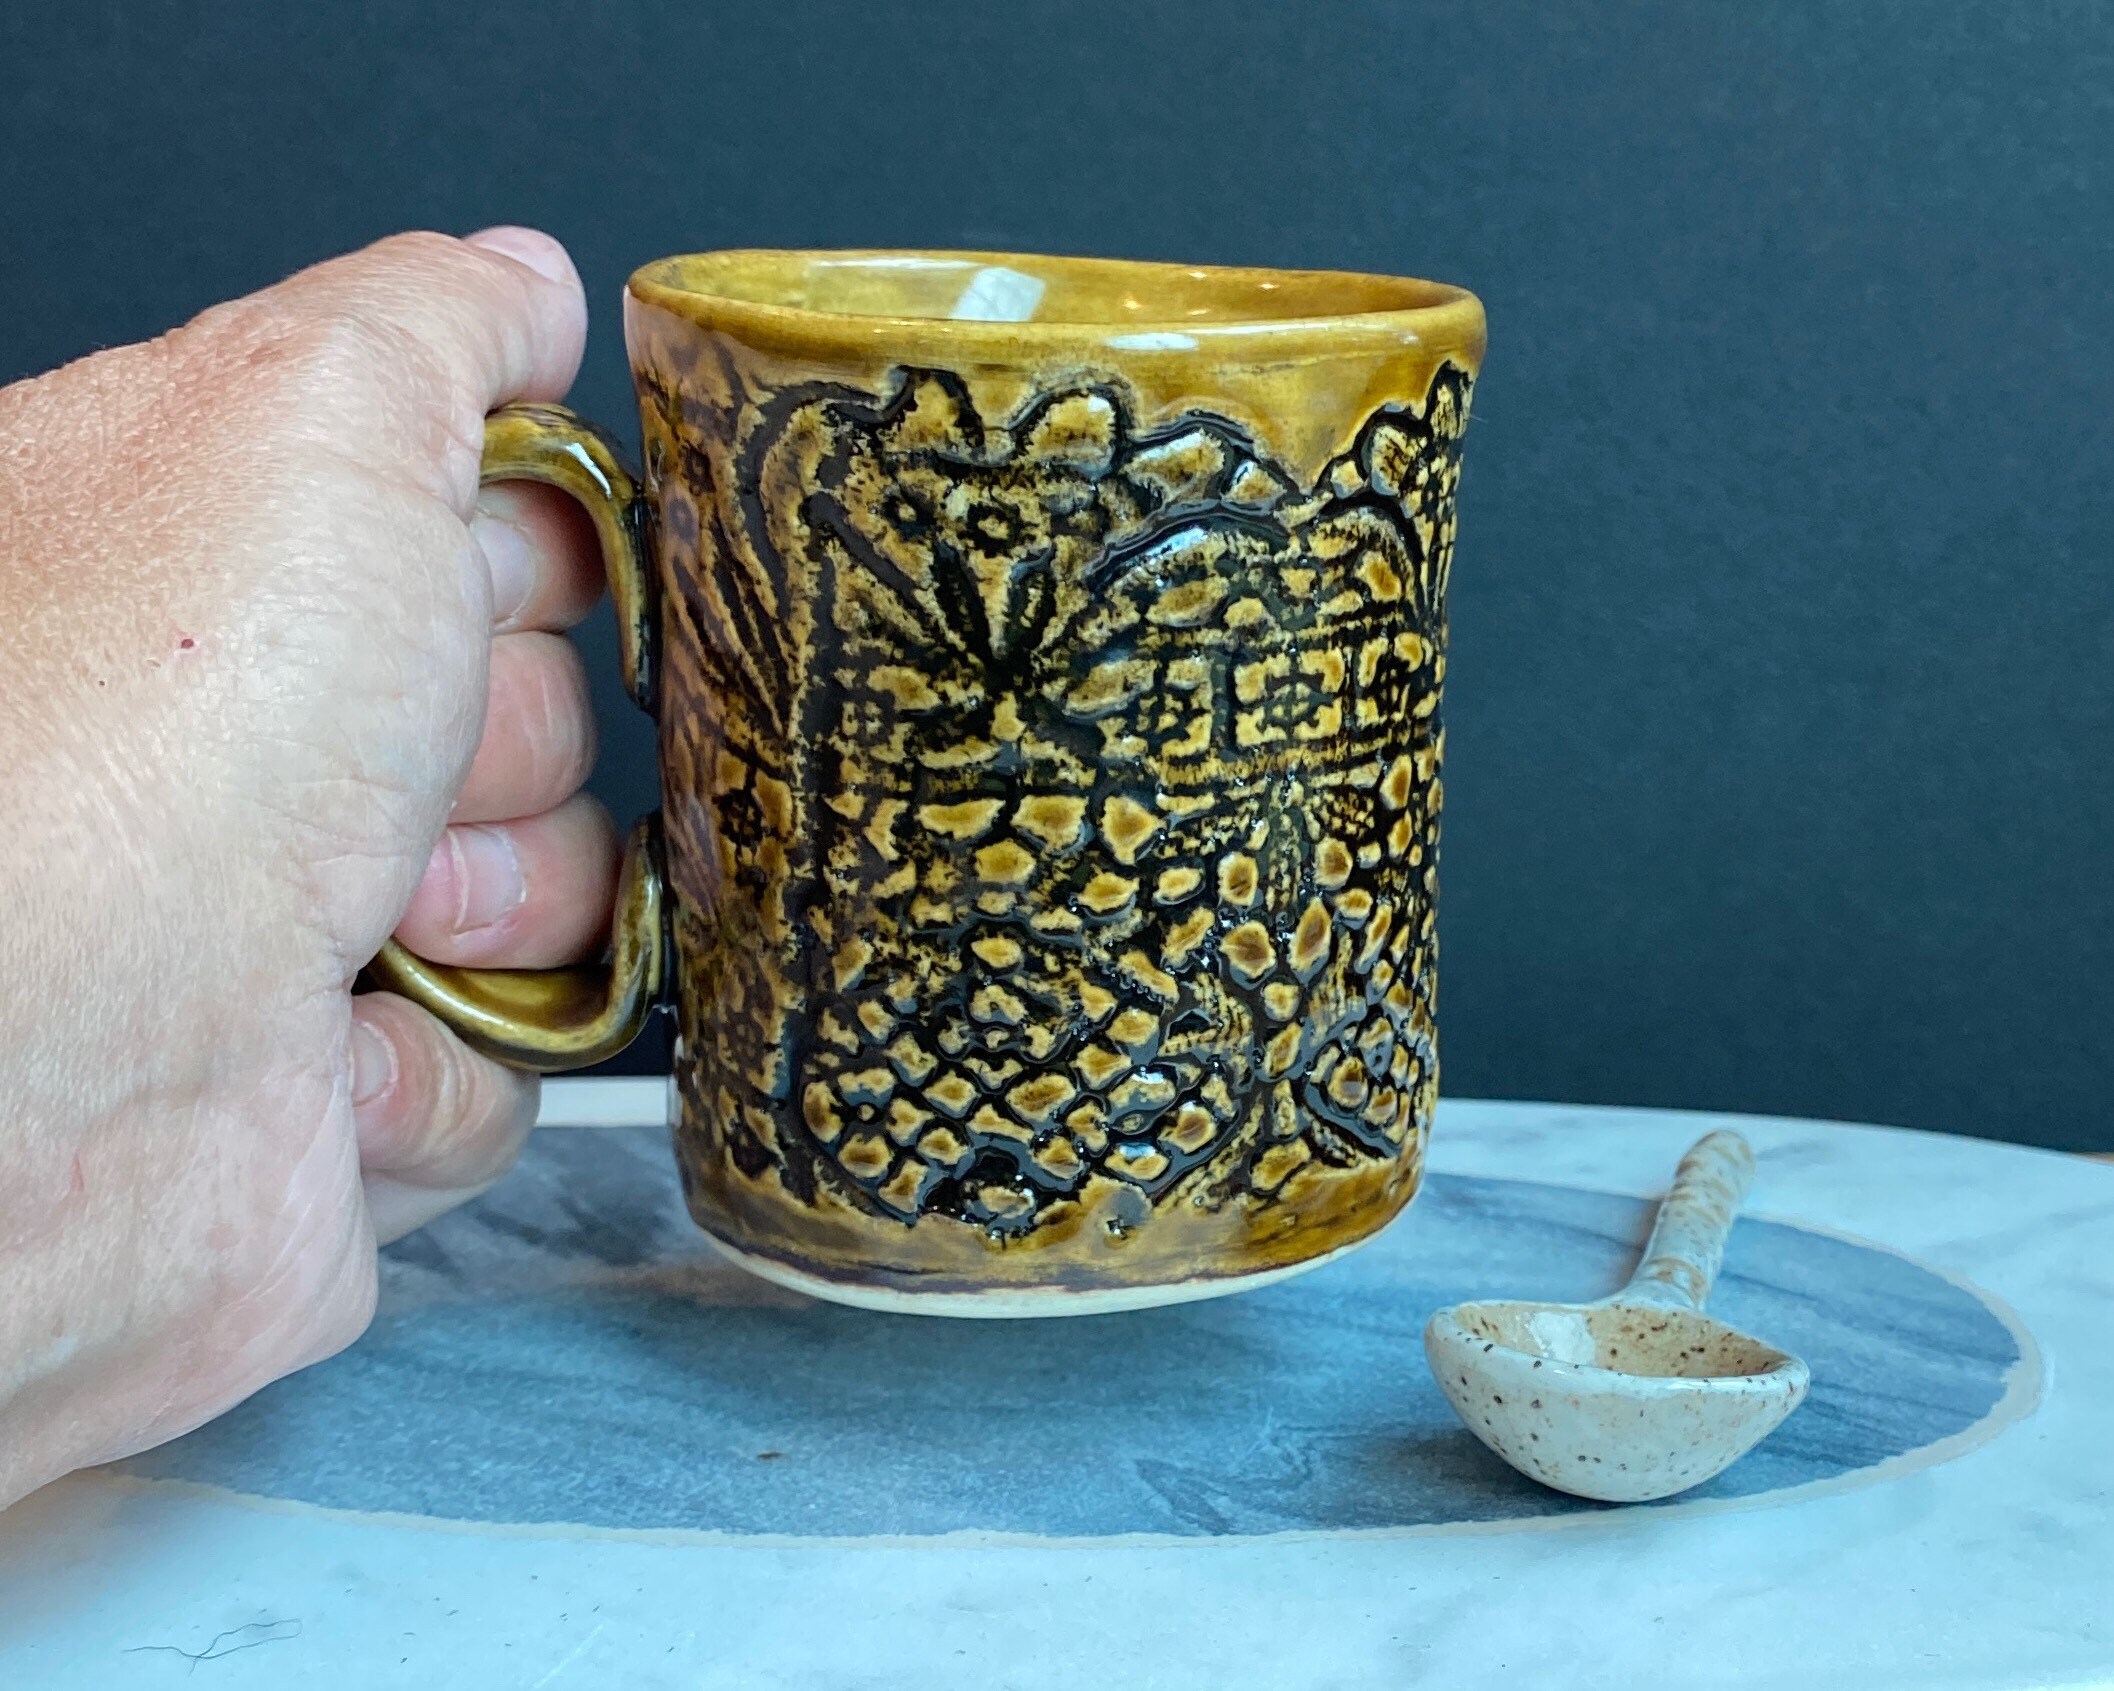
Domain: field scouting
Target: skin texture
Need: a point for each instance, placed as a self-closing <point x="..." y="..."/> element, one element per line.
<point x="276" y="679"/>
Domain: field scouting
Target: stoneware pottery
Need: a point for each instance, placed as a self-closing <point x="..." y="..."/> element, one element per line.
<point x="1047" y="655"/>
<point x="1640" y="1395"/>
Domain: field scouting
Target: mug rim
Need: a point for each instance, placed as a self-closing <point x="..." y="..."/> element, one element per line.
<point x="1440" y="317"/>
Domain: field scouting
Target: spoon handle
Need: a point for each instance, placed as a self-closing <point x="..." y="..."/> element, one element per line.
<point x="1688" y="1240"/>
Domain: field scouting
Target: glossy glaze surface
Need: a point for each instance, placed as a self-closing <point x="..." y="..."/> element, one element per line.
<point x="550" y="1020"/>
<point x="1640" y="1395"/>
<point x="1050" y="745"/>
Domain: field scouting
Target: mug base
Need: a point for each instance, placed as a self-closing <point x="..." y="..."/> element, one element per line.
<point x="1014" y="1304"/>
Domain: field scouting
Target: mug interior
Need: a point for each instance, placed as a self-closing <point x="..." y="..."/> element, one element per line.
<point x="1021" y="288"/>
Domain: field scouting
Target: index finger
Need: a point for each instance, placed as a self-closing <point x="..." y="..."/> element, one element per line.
<point x="420" y="336"/>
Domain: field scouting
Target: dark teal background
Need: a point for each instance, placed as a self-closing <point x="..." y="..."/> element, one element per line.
<point x="1781" y="761"/>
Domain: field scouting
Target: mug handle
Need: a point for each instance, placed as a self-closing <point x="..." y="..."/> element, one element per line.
<point x="549" y="1020"/>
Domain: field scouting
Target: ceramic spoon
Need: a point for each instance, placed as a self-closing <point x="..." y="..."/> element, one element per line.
<point x="1639" y="1395"/>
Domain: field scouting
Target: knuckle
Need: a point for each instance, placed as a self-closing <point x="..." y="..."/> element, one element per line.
<point x="597" y="828"/>
<point x="430" y="915"/>
<point x="566" y="720"/>
<point x="331" y="354"/>
<point x="307" y="1287"/>
<point x="336" y="352"/>
<point x="348" y="323"/>
<point x="446" y="276"/>
<point x="433" y="267"/>
<point x="394" y="1120"/>
<point x="255" y="319"/>
<point x="480" y="1113"/>
<point x="419" y="249"/>
<point x="443" y="1093"/>
<point x="346" y="1308"/>
<point x="541" y="719"/>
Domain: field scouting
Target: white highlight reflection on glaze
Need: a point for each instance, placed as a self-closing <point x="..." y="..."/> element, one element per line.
<point x="1562" y="1334"/>
<point x="1153" y="340"/>
<point x="996" y="294"/>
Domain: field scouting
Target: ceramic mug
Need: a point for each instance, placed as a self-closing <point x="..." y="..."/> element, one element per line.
<point x="1047" y="655"/>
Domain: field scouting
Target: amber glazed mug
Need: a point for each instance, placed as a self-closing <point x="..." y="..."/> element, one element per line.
<point x="1047" y="654"/>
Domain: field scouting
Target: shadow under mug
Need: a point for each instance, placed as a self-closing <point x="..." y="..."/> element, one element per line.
<point x="1047" y="656"/>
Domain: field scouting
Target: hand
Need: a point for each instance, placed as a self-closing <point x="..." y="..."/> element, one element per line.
<point x="275" y="679"/>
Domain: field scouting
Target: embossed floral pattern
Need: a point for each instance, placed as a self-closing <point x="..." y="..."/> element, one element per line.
<point x="1069" y="798"/>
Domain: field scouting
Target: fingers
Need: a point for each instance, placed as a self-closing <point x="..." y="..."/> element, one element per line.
<point x="501" y="313"/>
<point x="393" y="355"/>
<point x="436" y="1122"/>
<point x="540" y="549"/>
<point x="530" y="894"/>
<point x="539" y="731"/>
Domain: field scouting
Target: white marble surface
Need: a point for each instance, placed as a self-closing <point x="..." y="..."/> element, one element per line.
<point x="1989" y="1570"/>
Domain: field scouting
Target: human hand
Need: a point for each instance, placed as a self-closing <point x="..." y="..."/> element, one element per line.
<point x="275" y="679"/>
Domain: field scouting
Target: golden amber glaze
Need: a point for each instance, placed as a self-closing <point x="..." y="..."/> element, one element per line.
<point x="1050" y="662"/>
<point x="550" y="1020"/>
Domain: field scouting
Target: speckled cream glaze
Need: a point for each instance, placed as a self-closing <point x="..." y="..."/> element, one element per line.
<point x="1051" y="759"/>
<point x="1638" y="1396"/>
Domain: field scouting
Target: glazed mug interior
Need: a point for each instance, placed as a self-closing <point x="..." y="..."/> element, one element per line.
<point x="1048" y="656"/>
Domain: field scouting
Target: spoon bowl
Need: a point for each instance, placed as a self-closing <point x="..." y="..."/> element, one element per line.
<point x="1637" y="1396"/>
<point x="1621" y="1402"/>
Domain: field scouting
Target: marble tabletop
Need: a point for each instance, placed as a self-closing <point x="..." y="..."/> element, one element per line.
<point x="557" y="1458"/>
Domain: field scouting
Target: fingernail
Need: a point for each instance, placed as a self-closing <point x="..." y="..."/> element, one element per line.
<point x="540" y="252"/>
<point x="373" y="1063"/>
<point x="488" y="884"/>
<point x="507" y="556"/>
